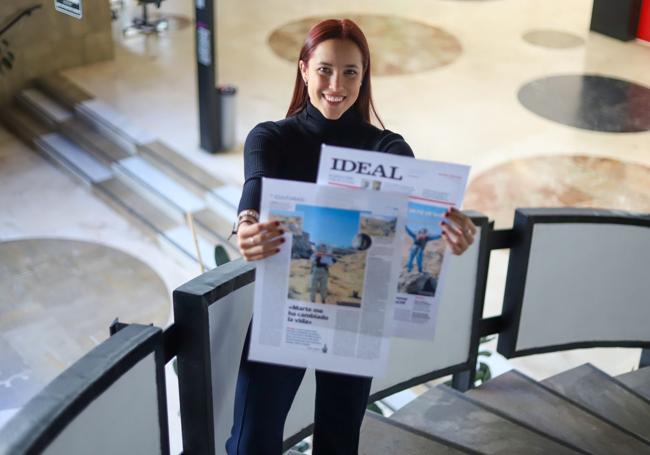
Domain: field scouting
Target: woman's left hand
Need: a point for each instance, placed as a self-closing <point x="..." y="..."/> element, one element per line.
<point x="458" y="230"/>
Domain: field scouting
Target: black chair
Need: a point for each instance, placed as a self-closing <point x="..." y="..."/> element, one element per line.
<point x="144" y="24"/>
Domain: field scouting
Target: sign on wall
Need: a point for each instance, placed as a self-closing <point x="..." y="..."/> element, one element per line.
<point x="69" y="7"/>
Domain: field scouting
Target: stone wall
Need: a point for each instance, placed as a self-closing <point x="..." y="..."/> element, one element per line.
<point x="49" y="40"/>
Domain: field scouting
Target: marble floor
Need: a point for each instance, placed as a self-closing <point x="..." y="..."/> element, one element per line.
<point x="69" y="291"/>
<point x="465" y="81"/>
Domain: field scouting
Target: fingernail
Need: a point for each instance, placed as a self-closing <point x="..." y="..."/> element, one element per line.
<point x="282" y="240"/>
<point x="446" y="214"/>
<point x="277" y="250"/>
<point x="276" y="223"/>
<point x="281" y="231"/>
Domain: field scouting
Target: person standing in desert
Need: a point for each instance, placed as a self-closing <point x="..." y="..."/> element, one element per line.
<point x="320" y="260"/>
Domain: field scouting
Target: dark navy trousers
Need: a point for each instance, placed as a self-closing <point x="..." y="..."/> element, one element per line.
<point x="264" y="395"/>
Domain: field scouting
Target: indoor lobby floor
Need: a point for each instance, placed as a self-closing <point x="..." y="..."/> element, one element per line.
<point x="545" y="112"/>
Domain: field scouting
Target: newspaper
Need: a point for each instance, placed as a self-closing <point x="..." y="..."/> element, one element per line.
<point x="432" y="188"/>
<point x="325" y="300"/>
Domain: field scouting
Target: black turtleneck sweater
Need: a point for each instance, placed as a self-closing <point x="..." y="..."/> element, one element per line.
<point x="290" y="149"/>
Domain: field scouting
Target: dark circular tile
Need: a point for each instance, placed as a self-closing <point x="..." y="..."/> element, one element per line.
<point x="397" y="45"/>
<point x="553" y="39"/>
<point x="590" y="102"/>
<point x="559" y="181"/>
<point x="58" y="299"/>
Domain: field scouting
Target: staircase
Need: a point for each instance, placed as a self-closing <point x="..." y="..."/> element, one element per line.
<point x="141" y="177"/>
<point x="582" y="410"/>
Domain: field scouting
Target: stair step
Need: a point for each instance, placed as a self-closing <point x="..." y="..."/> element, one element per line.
<point x="158" y="186"/>
<point x="90" y="138"/>
<point x="450" y="415"/>
<point x="221" y="206"/>
<point x="178" y="177"/>
<point x="73" y="158"/>
<point x="172" y="159"/>
<point x="62" y="90"/>
<point x="600" y="393"/>
<point x="182" y="237"/>
<point x="129" y="201"/>
<point x="217" y="227"/>
<point x="42" y="106"/>
<point x="380" y="435"/>
<point x="638" y="380"/>
<point x="528" y="401"/>
<point x="22" y="124"/>
<point x="116" y="126"/>
<point x="230" y="194"/>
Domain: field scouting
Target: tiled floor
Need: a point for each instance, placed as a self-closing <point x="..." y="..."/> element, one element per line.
<point x="467" y="110"/>
<point x="68" y="291"/>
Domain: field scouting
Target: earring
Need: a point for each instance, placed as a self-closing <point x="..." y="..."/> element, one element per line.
<point x="306" y="82"/>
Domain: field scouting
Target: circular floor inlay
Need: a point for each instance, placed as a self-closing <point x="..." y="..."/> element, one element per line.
<point x="177" y="21"/>
<point x="58" y="299"/>
<point x="397" y="45"/>
<point x="589" y="102"/>
<point x="553" y="39"/>
<point x="559" y="181"/>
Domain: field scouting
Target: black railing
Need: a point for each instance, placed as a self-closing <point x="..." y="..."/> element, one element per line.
<point x="18" y="16"/>
<point x="212" y="311"/>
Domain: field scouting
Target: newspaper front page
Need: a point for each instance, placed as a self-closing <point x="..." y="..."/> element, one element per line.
<point x="432" y="187"/>
<point x="325" y="300"/>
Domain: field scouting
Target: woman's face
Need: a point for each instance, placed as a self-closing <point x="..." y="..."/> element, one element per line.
<point x="333" y="75"/>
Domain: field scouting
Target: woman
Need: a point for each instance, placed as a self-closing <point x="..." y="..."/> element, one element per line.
<point x="331" y="104"/>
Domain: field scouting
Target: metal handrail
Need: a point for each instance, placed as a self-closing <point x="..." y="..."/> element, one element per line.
<point x="19" y="15"/>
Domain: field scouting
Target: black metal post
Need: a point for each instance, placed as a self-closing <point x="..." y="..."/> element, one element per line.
<point x="645" y="358"/>
<point x="464" y="380"/>
<point x="208" y="96"/>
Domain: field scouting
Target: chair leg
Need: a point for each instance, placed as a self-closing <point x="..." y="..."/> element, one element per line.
<point x="143" y="25"/>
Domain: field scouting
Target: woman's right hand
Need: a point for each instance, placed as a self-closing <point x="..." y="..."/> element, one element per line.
<point x="259" y="240"/>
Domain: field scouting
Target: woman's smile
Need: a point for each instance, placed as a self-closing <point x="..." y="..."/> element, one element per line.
<point x="333" y="99"/>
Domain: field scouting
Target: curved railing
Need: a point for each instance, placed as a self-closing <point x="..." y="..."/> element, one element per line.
<point x="212" y="313"/>
<point x="576" y="278"/>
<point x="110" y="401"/>
<point x="18" y="16"/>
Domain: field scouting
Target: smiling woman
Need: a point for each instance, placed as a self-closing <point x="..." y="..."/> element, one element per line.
<point x="332" y="104"/>
<point x="335" y="59"/>
<point x="333" y="77"/>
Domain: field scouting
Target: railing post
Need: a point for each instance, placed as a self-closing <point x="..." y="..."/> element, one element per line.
<point x="464" y="380"/>
<point x="645" y="358"/>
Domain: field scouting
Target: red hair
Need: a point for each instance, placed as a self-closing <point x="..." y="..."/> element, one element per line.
<point x="335" y="29"/>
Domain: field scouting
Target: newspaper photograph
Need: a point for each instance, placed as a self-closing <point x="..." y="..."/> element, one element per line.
<point x="325" y="300"/>
<point x="432" y="187"/>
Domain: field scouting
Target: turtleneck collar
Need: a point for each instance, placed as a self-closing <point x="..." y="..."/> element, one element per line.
<point x="315" y="122"/>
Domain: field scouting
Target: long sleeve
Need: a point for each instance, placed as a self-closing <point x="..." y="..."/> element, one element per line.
<point x="395" y="144"/>
<point x="261" y="156"/>
<point x="409" y="232"/>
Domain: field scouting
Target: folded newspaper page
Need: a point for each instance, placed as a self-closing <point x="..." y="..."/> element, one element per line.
<point x="432" y="188"/>
<point x="325" y="300"/>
